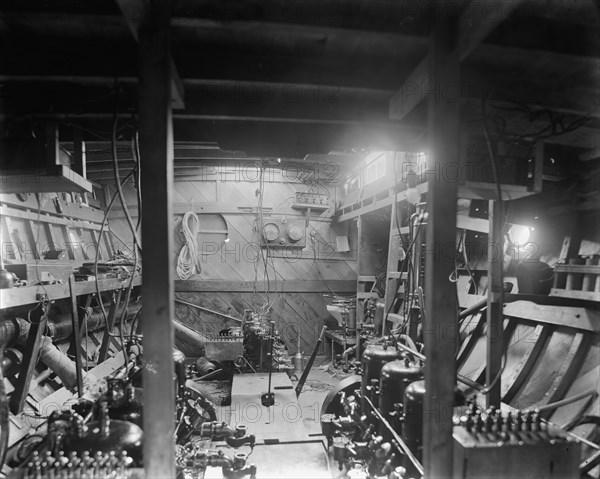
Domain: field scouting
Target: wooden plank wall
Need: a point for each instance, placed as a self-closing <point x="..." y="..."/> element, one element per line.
<point x="51" y="221"/>
<point x="232" y="193"/>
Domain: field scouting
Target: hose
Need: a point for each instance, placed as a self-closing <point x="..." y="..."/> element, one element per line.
<point x="187" y="261"/>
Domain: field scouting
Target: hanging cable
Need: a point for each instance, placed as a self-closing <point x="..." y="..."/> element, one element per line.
<point x="188" y="263"/>
<point x="115" y="159"/>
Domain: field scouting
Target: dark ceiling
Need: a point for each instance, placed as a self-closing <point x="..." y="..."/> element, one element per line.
<point x="289" y="78"/>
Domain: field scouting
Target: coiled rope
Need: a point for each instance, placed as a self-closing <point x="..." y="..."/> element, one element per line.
<point x="187" y="261"/>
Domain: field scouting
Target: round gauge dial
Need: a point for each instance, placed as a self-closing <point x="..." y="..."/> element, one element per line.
<point x="295" y="233"/>
<point x="271" y="231"/>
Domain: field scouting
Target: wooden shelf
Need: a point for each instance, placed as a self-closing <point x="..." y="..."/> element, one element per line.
<point x="310" y="206"/>
<point x="13" y="297"/>
<point x="56" y="178"/>
<point x="352" y="208"/>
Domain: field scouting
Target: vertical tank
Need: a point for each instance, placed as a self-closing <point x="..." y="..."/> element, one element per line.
<point x="412" y="429"/>
<point x="373" y="359"/>
<point x="395" y="377"/>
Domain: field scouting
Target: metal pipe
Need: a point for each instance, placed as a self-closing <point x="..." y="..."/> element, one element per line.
<point x="189" y="336"/>
<point x="59" y="363"/>
<point x="59" y="326"/>
<point x="460" y="377"/>
<point x="201" y="308"/>
<point x="569" y="400"/>
<point x="472" y="309"/>
<point x="347" y="352"/>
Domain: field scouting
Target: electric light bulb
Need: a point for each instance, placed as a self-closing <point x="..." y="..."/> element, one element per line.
<point x="519" y="234"/>
<point x="413" y="196"/>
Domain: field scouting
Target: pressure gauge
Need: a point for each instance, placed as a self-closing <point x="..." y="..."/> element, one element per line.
<point x="271" y="231"/>
<point x="295" y="233"/>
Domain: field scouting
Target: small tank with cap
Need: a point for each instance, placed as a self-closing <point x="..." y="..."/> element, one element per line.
<point x="395" y="378"/>
<point x="412" y="430"/>
<point x="373" y="360"/>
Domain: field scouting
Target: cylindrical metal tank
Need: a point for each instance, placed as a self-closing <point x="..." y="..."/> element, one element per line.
<point x="395" y="377"/>
<point x="412" y="430"/>
<point x="373" y="359"/>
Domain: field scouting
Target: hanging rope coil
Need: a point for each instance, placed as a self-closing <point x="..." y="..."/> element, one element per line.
<point x="187" y="261"/>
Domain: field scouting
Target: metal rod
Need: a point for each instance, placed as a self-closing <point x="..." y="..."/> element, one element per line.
<point x="569" y="400"/>
<point x="76" y="336"/>
<point x="311" y="360"/>
<point x="210" y="375"/>
<point x="208" y="310"/>
<point x="271" y="341"/>
<point x="405" y="449"/>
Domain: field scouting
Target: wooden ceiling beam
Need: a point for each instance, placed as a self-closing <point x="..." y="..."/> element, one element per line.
<point x="132" y="12"/>
<point x="474" y="27"/>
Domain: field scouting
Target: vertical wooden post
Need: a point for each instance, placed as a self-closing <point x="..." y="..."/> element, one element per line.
<point x="441" y="323"/>
<point x="76" y="339"/>
<point x="392" y="276"/>
<point x="79" y="161"/>
<point x="52" y="143"/>
<point x="494" y="319"/>
<point x="156" y="148"/>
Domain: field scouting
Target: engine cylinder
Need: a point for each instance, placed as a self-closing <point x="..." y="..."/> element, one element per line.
<point x="373" y="359"/>
<point x="395" y="377"/>
<point x="412" y="430"/>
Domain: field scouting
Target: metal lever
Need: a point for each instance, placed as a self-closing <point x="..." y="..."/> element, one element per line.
<point x="268" y="398"/>
<point x="310" y="363"/>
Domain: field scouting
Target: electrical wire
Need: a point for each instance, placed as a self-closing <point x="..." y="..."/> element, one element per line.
<point x="188" y="262"/>
<point x="395" y="209"/>
<point x="410" y="272"/>
<point x="466" y="259"/>
<point x="263" y="252"/>
<point x="124" y="311"/>
<point x="115" y="159"/>
<point x="134" y="324"/>
<point x="96" y="258"/>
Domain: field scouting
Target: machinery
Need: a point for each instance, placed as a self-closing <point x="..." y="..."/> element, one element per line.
<point x="258" y="338"/>
<point x="245" y="347"/>
<point x="373" y="422"/>
<point x="102" y="437"/>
